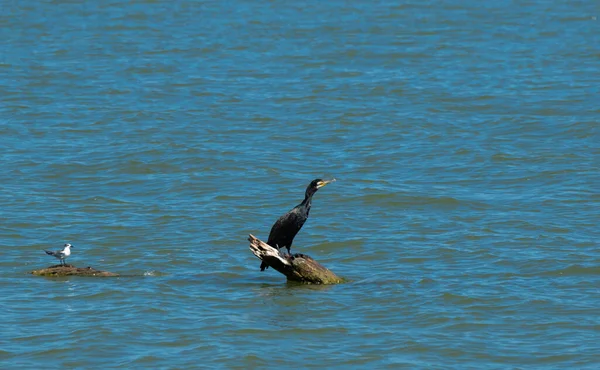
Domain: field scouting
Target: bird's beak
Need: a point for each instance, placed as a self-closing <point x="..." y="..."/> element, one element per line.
<point x="320" y="184"/>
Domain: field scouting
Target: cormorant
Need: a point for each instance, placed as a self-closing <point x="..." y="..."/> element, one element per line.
<point x="61" y="254"/>
<point x="287" y="226"/>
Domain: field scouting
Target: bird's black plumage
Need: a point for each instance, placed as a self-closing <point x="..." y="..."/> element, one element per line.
<point x="287" y="226"/>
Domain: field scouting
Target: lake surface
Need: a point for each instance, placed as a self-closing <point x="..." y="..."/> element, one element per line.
<point x="155" y="136"/>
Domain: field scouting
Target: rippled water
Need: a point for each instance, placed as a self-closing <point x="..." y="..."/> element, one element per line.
<point x="155" y="136"/>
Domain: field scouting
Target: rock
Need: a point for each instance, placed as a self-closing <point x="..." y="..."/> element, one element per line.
<point x="70" y="270"/>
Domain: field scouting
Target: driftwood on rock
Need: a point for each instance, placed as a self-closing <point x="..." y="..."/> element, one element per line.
<point x="299" y="267"/>
<point x="70" y="270"/>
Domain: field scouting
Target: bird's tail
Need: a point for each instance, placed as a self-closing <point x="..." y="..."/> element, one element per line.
<point x="49" y="252"/>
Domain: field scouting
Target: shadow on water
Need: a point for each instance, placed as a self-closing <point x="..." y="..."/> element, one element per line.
<point x="288" y="289"/>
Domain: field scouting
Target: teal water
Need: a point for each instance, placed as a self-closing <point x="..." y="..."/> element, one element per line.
<point x="155" y="136"/>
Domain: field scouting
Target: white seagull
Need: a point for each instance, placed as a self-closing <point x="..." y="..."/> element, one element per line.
<point x="61" y="254"/>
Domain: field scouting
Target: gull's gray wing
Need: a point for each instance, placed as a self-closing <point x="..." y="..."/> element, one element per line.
<point x="57" y="254"/>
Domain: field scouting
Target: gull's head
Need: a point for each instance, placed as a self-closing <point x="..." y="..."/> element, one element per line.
<point x="68" y="246"/>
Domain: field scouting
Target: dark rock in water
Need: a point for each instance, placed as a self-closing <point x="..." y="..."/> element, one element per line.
<point x="70" y="270"/>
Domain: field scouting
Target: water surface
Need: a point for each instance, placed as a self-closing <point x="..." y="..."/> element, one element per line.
<point x="155" y="136"/>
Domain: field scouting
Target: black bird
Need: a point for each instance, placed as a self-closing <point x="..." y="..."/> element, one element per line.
<point x="287" y="226"/>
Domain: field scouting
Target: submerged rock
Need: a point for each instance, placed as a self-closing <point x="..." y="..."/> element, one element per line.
<point x="70" y="270"/>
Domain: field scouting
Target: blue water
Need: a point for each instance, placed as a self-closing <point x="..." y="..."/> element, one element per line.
<point x="155" y="136"/>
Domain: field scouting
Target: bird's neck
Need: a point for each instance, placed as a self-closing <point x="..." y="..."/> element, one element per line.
<point x="307" y="200"/>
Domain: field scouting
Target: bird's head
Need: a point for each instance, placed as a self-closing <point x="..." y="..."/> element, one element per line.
<point x="67" y="246"/>
<point x="316" y="185"/>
